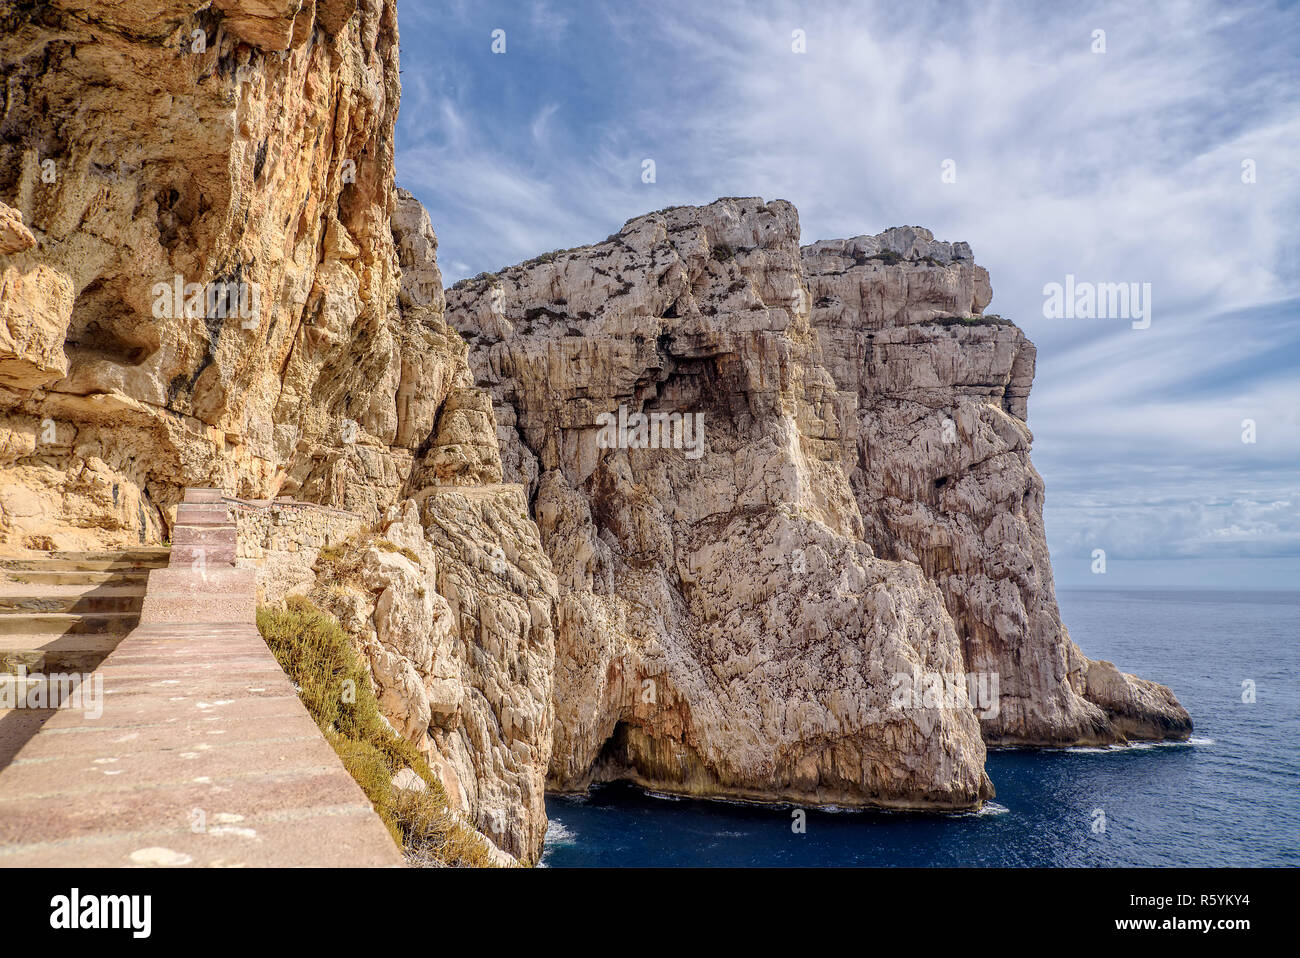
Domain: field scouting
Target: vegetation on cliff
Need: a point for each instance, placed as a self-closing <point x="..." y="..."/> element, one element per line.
<point x="334" y="685"/>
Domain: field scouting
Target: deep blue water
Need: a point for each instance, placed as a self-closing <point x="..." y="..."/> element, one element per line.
<point x="1230" y="798"/>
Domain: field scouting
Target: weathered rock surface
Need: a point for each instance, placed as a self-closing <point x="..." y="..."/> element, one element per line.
<point x="458" y="635"/>
<point x="246" y="142"/>
<point x="935" y="400"/>
<point x="201" y="286"/>
<point x="14" y="236"/>
<point x="733" y="623"/>
<point x="35" y="308"/>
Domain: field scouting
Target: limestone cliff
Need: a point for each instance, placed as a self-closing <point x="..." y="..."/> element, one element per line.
<point x="733" y="619"/>
<point x="207" y="277"/>
<point x="935" y="405"/>
<point x="200" y="285"/>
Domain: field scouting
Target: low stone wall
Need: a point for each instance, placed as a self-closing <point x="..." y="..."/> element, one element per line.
<point x="281" y="538"/>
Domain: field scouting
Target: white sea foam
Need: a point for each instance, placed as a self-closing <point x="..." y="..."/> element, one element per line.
<point x="558" y="834"/>
<point x="665" y="796"/>
<point x="987" y="809"/>
<point x="1136" y="746"/>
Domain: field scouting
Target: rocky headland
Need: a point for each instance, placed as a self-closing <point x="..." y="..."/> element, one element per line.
<point x="834" y="490"/>
<point x="864" y="507"/>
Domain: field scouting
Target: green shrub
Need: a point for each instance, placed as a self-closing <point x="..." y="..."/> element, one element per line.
<point x="334" y="685"/>
<point x="990" y="319"/>
<point x="403" y="550"/>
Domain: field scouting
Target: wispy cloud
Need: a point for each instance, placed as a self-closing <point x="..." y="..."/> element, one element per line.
<point x="1117" y="166"/>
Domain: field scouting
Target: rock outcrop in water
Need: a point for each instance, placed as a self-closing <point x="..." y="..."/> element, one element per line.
<point x="939" y="463"/>
<point x="733" y="622"/>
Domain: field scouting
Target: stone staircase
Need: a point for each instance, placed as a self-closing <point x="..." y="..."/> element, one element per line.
<point x="191" y="712"/>
<point x="200" y="583"/>
<point x="63" y="613"/>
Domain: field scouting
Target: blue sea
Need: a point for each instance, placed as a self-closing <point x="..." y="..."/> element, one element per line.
<point x="1230" y="797"/>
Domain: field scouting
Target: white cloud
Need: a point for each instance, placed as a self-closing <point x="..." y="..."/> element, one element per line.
<point x="540" y="121"/>
<point x="1122" y="166"/>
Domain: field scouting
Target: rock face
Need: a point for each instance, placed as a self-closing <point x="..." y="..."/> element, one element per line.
<point x="200" y="284"/>
<point x="935" y="398"/>
<point x="458" y="635"/>
<point x="207" y="277"/>
<point x="736" y="618"/>
<point x="248" y="143"/>
<point x="35" y="308"/>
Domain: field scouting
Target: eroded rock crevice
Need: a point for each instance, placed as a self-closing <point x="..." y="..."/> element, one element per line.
<point x="866" y="506"/>
<point x="247" y="148"/>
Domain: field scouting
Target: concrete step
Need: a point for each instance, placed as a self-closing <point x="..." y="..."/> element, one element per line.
<point x="203" y="515"/>
<point x="209" y="607"/>
<point x="214" y="507"/>
<point x="203" y="495"/>
<point x="145" y="554"/>
<point x="103" y="599"/>
<point x="62" y="614"/>
<point x="64" y="577"/>
<point x="117" y="584"/>
<point x="89" y="562"/>
<point x="55" y="653"/>
<point x="187" y="535"/>
<point x="185" y="580"/>
<point x="65" y="623"/>
<point x="198" y="556"/>
<point x="209" y="521"/>
<point x="180" y="594"/>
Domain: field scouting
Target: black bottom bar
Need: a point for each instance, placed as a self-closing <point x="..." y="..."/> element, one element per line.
<point x="975" y="907"/>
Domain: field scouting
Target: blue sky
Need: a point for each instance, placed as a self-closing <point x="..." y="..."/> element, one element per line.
<point x="1122" y="166"/>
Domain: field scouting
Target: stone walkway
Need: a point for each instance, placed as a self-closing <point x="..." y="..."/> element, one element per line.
<point x="203" y="754"/>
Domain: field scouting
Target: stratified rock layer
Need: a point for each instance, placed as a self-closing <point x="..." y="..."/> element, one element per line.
<point x="150" y="150"/>
<point x="864" y="507"/>
<point x="935" y="404"/>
